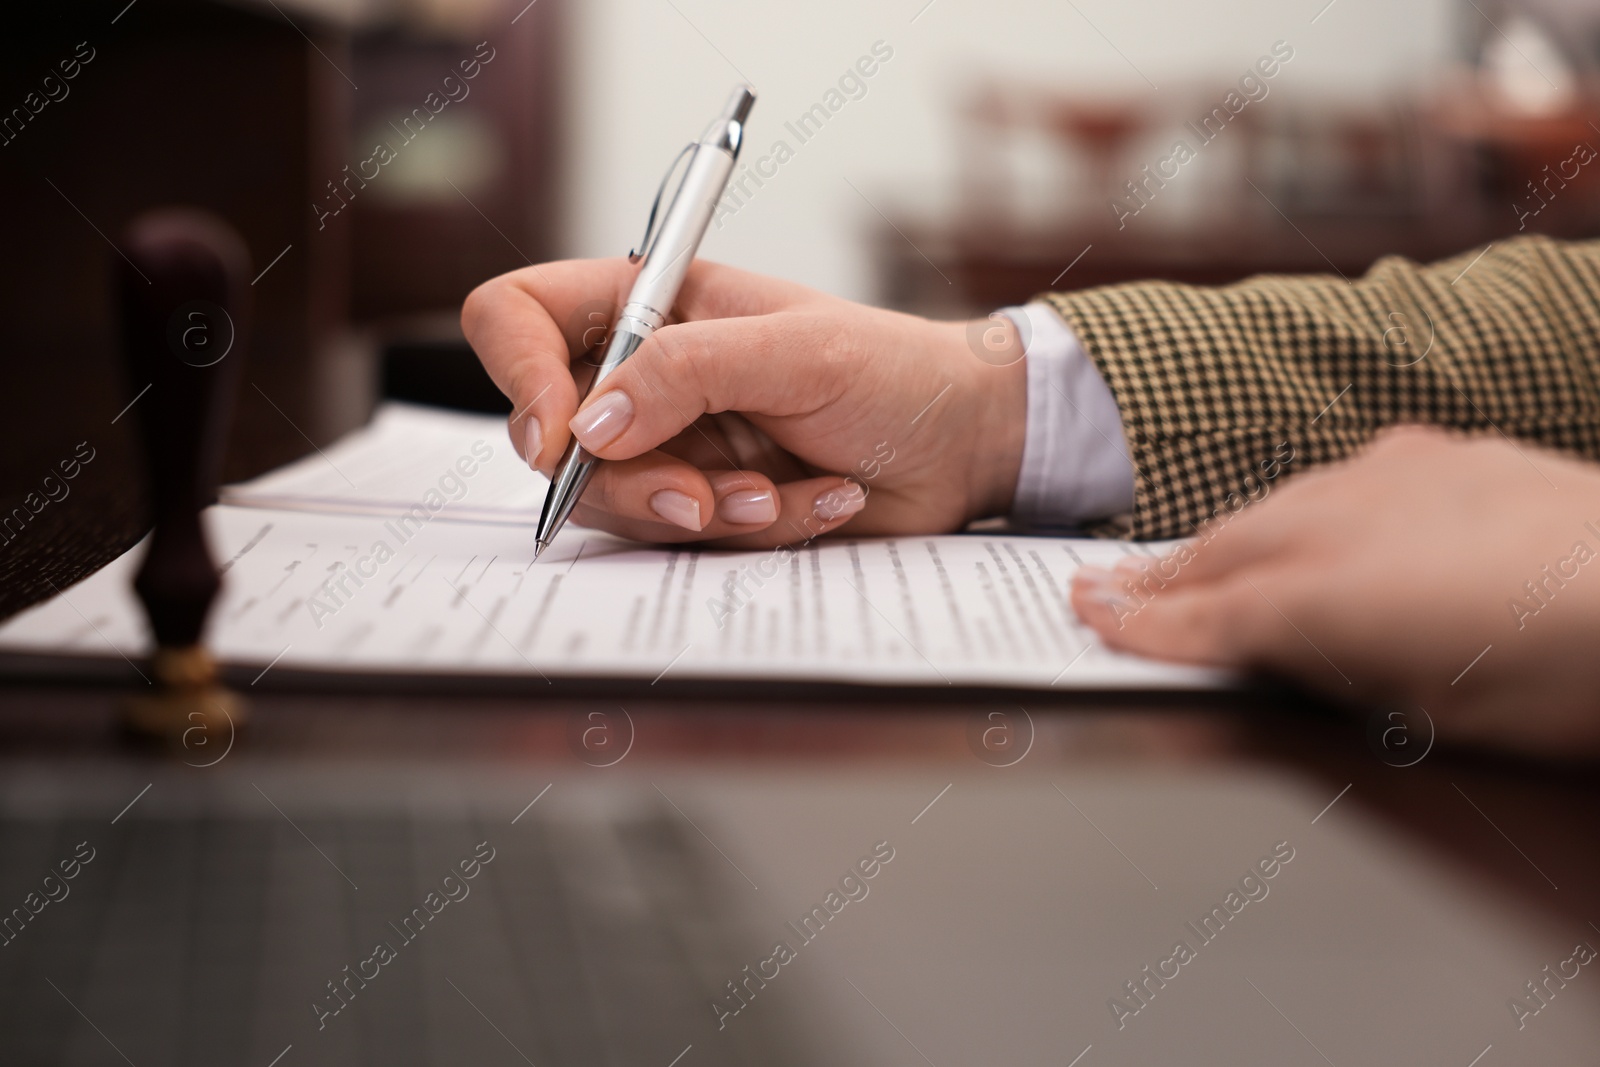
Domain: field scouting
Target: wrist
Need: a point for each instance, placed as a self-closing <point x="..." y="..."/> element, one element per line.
<point x="993" y="351"/>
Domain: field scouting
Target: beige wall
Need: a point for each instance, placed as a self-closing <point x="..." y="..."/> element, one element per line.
<point x="643" y="80"/>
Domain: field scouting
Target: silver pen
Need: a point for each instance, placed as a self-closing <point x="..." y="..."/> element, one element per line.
<point x="667" y="251"/>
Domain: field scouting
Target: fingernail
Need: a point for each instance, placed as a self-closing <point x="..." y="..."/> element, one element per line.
<point x="1093" y="579"/>
<point x="680" y="509"/>
<point x="838" y="503"/>
<point x="603" y="420"/>
<point x="1131" y="566"/>
<point x="1100" y="589"/>
<point x="533" y="442"/>
<point x="748" y="506"/>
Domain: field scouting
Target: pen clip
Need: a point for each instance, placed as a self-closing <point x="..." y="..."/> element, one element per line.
<point x="650" y="225"/>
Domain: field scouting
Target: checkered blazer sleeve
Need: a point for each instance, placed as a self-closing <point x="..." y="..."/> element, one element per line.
<point x="1217" y="386"/>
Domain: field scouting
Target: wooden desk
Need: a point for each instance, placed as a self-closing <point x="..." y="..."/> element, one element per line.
<point x="1437" y="811"/>
<point x="1542" y="816"/>
<point x="1497" y="831"/>
<point x="1546" y="813"/>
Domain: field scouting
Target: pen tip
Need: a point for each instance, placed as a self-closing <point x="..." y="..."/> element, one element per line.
<point x="538" y="547"/>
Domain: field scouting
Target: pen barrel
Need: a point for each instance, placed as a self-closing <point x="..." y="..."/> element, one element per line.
<point x="685" y="223"/>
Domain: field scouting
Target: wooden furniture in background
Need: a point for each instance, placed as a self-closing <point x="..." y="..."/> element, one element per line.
<point x="247" y="110"/>
<point x="1285" y="186"/>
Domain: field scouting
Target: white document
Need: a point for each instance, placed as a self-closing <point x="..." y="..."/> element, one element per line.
<point x="390" y="464"/>
<point x="428" y="569"/>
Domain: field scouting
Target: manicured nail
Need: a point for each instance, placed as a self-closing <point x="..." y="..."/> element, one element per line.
<point x="533" y="441"/>
<point x="839" y="503"/>
<point x="603" y="419"/>
<point x="748" y="506"/>
<point x="680" y="509"/>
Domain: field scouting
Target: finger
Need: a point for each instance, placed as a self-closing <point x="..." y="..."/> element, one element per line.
<point x="1230" y="623"/>
<point x="645" y="493"/>
<point x="523" y="328"/>
<point x="1137" y="576"/>
<point x="633" y="496"/>
<point x="748" y="511"/>
<point x="579" y="295"/>
<point x="808" y="508"/>
<point x="1214" y="623"/>
<point x="1217" y="552"/>
<point x="686" y="370"/>
<point x="1230" y="538"/>
<point x="728" y="441"/>
<point x="526" y="326"/>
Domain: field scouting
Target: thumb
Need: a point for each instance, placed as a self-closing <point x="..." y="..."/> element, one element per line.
<point x="762" y="364"/>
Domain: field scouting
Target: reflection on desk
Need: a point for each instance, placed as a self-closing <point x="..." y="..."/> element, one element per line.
<point x="1043" y="860"/>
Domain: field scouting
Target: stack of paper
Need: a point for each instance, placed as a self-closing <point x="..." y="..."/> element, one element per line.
<point x="407" y="548"/>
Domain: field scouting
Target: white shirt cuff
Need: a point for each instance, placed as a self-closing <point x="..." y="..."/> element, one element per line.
<point x="1075" y="465"/>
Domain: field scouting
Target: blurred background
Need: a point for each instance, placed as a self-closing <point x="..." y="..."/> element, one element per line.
<point x="933" y="155"/>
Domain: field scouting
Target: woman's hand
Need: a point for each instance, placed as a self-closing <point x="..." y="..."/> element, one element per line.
<point x="1458" y="575"/>
<point x="764" y="413"/>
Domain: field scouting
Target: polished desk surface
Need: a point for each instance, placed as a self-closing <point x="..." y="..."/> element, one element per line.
<point x="1517" y="836"/>
<point x="1521" y="828"/>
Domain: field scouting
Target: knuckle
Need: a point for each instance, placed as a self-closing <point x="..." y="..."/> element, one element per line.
<point x="1210" y="622"/>
<point x="670" y="350"/>
<point x="522" y="382"/>
<point x="476" y="306"/>
<point x="675" y="370"/>
<point x="1224" y="613"/>
<point x="835" y="348"/>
